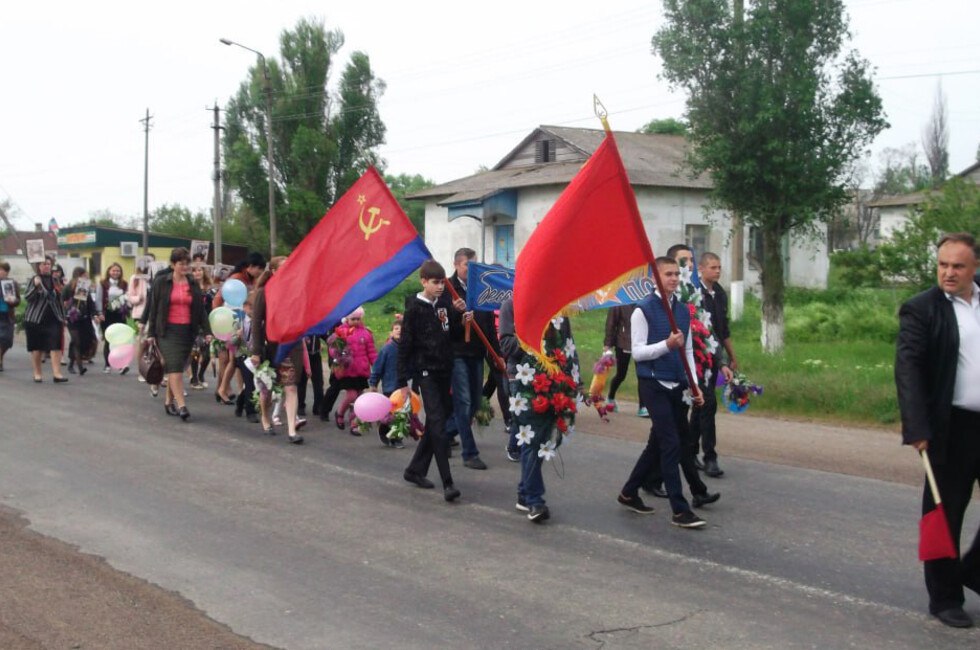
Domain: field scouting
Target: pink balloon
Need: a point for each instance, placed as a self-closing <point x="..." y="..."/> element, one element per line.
<point x="120" y="356"/>
<point x="223" y="337"/>
<point x="371" y="407"/>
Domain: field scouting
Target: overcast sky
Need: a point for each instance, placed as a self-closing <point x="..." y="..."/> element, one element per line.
<point x="465" y="83"/>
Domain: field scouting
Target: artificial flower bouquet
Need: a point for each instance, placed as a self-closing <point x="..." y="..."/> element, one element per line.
<point x="737" y="392"/>
<point x="548" y="392"/>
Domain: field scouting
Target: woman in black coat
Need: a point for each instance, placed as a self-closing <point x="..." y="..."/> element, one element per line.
<point x="44" y="320"/>
<point x="175" y="318"/>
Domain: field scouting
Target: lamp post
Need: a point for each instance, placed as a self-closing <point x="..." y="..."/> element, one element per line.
<point x="268" y="136"/>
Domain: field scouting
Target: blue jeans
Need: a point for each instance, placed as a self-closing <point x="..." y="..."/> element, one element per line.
<point x="531" y="487"/>
<point x="512" y="426"/>
<point x="467" y="391"/>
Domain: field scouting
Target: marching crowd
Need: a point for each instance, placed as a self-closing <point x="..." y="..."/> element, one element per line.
<point x="429" y="352"/>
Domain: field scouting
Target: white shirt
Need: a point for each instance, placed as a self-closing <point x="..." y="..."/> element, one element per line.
<point x="966" y="391"/>
<point x="643" y="351"/>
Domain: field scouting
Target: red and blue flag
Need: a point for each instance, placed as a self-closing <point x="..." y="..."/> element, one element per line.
<point x="362" y="248"/>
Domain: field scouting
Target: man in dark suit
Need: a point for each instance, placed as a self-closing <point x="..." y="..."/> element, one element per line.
<point x="937" y="373"/>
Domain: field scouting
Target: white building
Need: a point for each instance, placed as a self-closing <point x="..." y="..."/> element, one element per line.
<point x="494" y="212"/>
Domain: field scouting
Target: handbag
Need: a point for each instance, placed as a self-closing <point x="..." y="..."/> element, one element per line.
<point x="151" y="363"/>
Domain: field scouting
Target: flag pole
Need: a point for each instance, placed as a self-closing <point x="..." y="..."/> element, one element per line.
<point x="602" y="114"/>
<point x="497" y="360"/>
<point x="932" y="477"/>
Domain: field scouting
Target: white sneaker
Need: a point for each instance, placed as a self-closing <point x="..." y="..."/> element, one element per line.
<point x="140" y="379"/>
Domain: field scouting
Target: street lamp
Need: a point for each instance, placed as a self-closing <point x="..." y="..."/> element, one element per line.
<point x="268" y="136"/>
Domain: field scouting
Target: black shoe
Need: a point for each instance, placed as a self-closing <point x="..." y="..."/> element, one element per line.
<point x="184" y="413"/>
<point x="296" y="440"/>
<point x="82" y="370"/>
<point x="698" y="464"/>
<point x="711" y="468"/>
<point x="657" y="491"/>
<point x="239" y="411"/>
<point x="954" y="617"/>
<point x="124" y="370"/>
<point x="538" y="514"/>
<point x="635" y="504"/>
<point x="170" y="409"/>
<point x="450" y="493"/>
<point x="301" y="411"/>
<point x="384" y="438"/>
<point x="688" y="520"/>
<point x="252" y="417"/>
<point x="522" y="505"/>
<point x="300" y="423"/>
<point x="475" y="463"/>
<point x="454" y="442"/>
<point x="60" y="380"/>
<point x="71" y="369"/>
<point x="700" y="500"/>
<point x="514" y="455"/>
<point x="316" y="409"/>
<point x="220" y="400"/>
<point x="269" y="431"/>
<point x="397" y="444"/>
<point x="420" y="481"/>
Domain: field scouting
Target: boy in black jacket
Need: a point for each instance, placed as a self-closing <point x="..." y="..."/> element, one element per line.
<point x="425" y="355"/>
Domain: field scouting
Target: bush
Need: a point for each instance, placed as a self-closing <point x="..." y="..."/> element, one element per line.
<point x="857" y="268"/>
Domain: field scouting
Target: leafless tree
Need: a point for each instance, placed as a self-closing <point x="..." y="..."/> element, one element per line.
<point x="935" y="139"/>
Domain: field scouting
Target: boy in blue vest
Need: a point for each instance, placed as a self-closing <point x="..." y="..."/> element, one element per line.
<point x="662" y="381"/>
<point x="385" y="372"/>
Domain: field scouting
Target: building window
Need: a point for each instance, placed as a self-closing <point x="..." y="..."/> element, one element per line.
<point x="696" y="236"/>
<point x="756" y="247"/>
<point x="544" y="151"/>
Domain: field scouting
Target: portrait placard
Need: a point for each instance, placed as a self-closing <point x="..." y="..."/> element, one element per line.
<point x="82" y="288"/>
<point x="9" y="290"/>
<point x="35" y="250"/>
<point x="200" y="247"/>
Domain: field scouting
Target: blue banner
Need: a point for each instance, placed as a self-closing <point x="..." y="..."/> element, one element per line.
<point x="488" y="285"/>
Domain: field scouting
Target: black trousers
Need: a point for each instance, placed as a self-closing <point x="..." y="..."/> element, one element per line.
<point x="244" y="399"/>
<point x="497" y="383"/>
<point x="688" y="452"/>
<point x="703" y="424"/>
<point x="316" y="375"/>
<point x="955" y="476"/>
<point x="622" y="367"/>
<point x="438" y="404"/>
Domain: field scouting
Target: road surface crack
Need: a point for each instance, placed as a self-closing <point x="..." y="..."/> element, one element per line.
<point x="593" y="636"/>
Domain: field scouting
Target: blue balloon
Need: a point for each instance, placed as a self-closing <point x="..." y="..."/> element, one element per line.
<point x="234" y="292"/>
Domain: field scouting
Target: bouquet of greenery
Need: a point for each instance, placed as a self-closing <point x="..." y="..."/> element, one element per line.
<point x="485" y="414"/>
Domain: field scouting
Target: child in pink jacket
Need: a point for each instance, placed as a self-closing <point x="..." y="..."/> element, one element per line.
<point x="360" y="345"/>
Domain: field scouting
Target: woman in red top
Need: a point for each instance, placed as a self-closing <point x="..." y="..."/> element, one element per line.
<point x="176" y="316"/>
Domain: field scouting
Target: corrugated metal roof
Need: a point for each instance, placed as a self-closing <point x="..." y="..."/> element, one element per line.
<point x="650" y="160"/>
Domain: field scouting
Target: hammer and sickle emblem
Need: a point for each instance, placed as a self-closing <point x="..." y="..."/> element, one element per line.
<point x="374" y="222"/>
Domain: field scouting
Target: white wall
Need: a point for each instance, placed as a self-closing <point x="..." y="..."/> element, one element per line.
<point x="666" y="213"/>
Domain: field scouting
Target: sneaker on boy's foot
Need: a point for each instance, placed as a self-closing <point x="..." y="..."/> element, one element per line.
<point x="688" y="520"/>
<point x="611" y="402"/>
<point x="513" y="455"/>
<point x="635" y="504"/>
<point x="538" y="513"/>
<point x="397" y="444"/>
<point x="522" y="505"/>
<point x="642" y="413"/>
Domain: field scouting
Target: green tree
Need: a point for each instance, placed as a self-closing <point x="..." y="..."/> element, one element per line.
<point x="666" y="126"/>
<point x="321" y="142"/>
<point x="910" y="254"/>
<point x="902" y="171"/>
<point x="179" y="221"/>
<point x="777" y="110"/>
<point x="403" y="185"/>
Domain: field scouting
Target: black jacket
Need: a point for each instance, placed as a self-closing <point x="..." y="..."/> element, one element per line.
<point x="925" y="369"/>
<point x="159" y="309"/>
<point x="425" y="344"/>
<point x="457" y="331"/>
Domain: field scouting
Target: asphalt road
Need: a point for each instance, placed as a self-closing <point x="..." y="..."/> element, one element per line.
<point x="325" y="546"/>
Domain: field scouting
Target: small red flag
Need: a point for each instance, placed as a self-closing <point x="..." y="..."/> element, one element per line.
<point x="592" y="236"/>
<point x="935" y="541"/>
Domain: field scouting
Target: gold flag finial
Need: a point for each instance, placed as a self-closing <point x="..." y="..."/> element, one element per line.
<point x="601" y="112"/>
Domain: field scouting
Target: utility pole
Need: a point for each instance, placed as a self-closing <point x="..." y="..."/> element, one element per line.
<point x="146" y="181"/>
<point x="216" y="210"/>
<point x="271" y="165"/>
